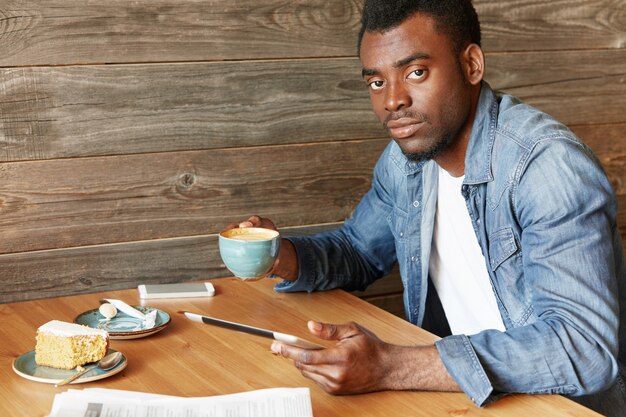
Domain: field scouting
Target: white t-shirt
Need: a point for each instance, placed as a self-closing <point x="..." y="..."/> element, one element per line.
<point x="457" y="265"/>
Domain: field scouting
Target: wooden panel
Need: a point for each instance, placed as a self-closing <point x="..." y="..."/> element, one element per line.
<point x="393" y="303"/>
<point x="386" y="293"/>
<point x="535" y="25"/>
<point x="66" y="32"/>
<point x="149" y="196"/>
<point x="114" y="31"/>
<point x="621" y="218"/>
<point x="51" y="273"/>
<point x="87" y="201"/>
<point x="59" y="272"/>
<point x="106" y="110"/>
<point x="147" y="141"/>
<point x="609" y="144"/>
<point x="390" y="284"/>
<point x="587" y="87"/>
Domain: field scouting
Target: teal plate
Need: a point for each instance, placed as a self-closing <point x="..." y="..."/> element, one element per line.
<point x="26" y="367"/>
<point x="123" y="326"/>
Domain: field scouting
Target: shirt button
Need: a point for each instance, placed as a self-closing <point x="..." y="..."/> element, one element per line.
<point x="401" y="234"/>
<point x="416" y="203"/>
<point x="413" y="258"/>
<point x="477" y="221"/>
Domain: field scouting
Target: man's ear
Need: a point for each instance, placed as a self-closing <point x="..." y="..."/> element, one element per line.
<point x="473" y="63"/>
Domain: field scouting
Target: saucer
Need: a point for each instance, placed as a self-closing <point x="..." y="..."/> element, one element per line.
<point x="25" y="366"/>
<point x="123" y="326"/>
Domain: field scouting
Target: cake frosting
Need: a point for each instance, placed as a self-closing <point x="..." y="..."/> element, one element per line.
<point x="62" y="328"/>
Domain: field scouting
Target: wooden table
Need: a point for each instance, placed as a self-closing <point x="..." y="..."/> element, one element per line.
<point x="192" y="359"/>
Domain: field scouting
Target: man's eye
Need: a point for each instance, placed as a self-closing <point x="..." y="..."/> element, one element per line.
<point x="417" y="74"/>
<point x="376" y="85"/>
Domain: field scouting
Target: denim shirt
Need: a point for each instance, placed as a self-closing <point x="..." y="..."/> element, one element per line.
<point x="544" y="215"/>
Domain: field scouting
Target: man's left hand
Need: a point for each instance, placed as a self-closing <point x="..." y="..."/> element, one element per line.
<point x="354" y="365"/>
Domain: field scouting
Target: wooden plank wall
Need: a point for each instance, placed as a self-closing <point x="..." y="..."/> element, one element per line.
<point x="131" y="132"/>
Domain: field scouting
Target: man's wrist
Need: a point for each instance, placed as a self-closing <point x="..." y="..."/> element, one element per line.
<point x="286" y="265"/>
<point x="415" y="368"/>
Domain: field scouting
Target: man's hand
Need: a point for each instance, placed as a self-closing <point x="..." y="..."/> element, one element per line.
<point x="351" y="367"/>
<point x="286" y="265"/>
<point x="361" y="362"/>
<point x="254" y="221"/>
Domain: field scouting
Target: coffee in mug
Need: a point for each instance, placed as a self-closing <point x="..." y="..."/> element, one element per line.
<point x="249" y="252"/>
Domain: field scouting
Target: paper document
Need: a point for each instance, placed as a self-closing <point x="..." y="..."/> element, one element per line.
<point x="99" y="402"/>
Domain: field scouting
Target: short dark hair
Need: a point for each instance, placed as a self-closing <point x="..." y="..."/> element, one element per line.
<point x="457" y="19"/>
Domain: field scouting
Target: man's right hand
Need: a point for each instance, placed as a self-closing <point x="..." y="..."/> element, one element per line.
<point x="253" y="221"/>
<point x="286" y="265"/>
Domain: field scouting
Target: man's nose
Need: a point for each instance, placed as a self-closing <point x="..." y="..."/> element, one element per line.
<point x="397" y="97"/>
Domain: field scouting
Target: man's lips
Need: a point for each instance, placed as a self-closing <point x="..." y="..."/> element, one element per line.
<point x="404" y="127"/>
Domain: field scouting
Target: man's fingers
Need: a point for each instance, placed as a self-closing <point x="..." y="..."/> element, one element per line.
<point x="246" y="223"/>
<point x="334" y="331"/>
<point x="329" y="372"/>
<point x="333" y="378"/>
<point x="316" y="365"/>
<point x="291" y="352"/>
<point x="305" y="356"/>
<point x="253" y="221"/>
<point x="322" y="380"/>
<point x="258" y="221"/>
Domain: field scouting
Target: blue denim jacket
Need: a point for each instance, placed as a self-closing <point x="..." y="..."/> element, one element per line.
<point x="544" y="214"/>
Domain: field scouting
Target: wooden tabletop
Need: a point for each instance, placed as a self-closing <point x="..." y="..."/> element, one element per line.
<point x="196" y="360"/>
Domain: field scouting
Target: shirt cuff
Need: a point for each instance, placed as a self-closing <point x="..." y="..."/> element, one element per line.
<point x="462" y="363"/>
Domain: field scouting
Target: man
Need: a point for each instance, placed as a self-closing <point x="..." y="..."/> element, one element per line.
<point x="503" y="208"/>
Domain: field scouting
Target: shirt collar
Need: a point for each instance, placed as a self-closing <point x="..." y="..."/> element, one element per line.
<point x="480" y="146"/>
<point x="403" y="163"/>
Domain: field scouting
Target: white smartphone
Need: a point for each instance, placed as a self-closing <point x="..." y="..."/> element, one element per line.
<point x="178" y="290"/>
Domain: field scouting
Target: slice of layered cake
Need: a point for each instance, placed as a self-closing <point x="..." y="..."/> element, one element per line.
<point x="67" y="345"/>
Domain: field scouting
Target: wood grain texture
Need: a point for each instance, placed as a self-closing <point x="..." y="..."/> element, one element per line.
<point x="61" y="272"/>
<point x="535" y="25"/>
<point x="393" y="303"/>
<point x="621" y="218"/>
<point x="130" y="132"/>
<point x="174" y="361"/>
<point x="87" y="269"/>
<point x="88" y="201"/>
<point x="54" y="273"/>
<point x="66" y="32"/>
<point x="63" y="112"/>
<point x="115" y="31"/>
<point x="586" y="87"/>
<point x="609" y="143"/>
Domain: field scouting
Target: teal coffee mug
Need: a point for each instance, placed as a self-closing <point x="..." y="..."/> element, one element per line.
<point x="249" y="252"/>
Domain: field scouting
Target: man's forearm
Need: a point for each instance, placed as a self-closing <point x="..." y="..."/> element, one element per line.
<point x="416" y="368"/>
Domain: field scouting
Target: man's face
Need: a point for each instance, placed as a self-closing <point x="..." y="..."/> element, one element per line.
<point x="416" y="85"/>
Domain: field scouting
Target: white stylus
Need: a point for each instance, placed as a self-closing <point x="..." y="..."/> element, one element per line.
<point x="281" y="337"/>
